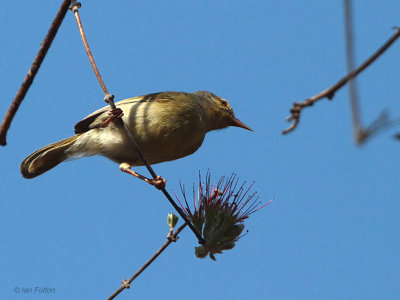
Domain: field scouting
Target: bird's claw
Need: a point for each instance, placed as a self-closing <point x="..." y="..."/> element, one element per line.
<point x="116" y="113"/>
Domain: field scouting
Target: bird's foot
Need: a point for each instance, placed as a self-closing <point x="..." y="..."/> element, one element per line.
<point x="158" y="182"/>
<point x="114" y="114"/>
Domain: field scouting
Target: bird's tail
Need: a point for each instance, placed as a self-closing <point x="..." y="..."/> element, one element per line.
<point x="46" y="158"/>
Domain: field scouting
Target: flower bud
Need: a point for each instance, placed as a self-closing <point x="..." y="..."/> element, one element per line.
<point x="172" y="219"/>
<point x="219" y="214"/>
<point x="200" y="251"/>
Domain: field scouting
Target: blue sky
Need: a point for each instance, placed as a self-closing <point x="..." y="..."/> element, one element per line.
<point x="332" y="231"/>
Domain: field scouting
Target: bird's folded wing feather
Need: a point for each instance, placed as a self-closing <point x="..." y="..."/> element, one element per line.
<point x="99" y="116"/>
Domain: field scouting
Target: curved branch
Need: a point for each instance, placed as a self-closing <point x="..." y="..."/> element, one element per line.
<point x="44" y="47"/>
<point x="329" y="93"/>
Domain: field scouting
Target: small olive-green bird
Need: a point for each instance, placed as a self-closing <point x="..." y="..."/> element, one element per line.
<point x="166" y="126"/>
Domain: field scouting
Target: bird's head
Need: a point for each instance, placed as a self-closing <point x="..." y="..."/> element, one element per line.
<point x="220" y="112"/>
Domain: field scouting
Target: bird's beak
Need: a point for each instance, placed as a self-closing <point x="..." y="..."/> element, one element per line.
<point x="237" y="123"/>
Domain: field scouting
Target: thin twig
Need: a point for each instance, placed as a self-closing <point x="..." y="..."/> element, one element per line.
<point x="382" y="122"/>
<point x="329" y="93"/>
<point x="44" y="47"/>
<point x="75" y="7"/>
<point x="359" y="133"/>
<point x="126" y="283"/>
<point x="110" y="99"/>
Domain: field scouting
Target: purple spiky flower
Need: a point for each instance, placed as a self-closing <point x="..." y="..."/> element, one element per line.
<point x="219" y="212"/>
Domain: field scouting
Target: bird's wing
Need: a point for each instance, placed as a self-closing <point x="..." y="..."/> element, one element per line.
<point x="99" y="116"/>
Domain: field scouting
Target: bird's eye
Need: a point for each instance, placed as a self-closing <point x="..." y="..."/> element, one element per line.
<point x="224" y="103"/>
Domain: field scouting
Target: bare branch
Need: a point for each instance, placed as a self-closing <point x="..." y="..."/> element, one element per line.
<point x="44" y="47"/>
<point x="359" y="133"/>
<point x="329" y="93"/>
<point x="126" y="283"/>
<point x="382" y="122"/>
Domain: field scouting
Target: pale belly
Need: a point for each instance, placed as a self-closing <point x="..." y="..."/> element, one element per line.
<point x="114" y="144"/>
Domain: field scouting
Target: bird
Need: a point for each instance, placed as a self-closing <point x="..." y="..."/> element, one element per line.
<point x="165" y="126"/>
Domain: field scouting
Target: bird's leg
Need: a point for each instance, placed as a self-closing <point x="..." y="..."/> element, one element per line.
<point x="113" y="114"/>
<point x="158" y="182"/>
